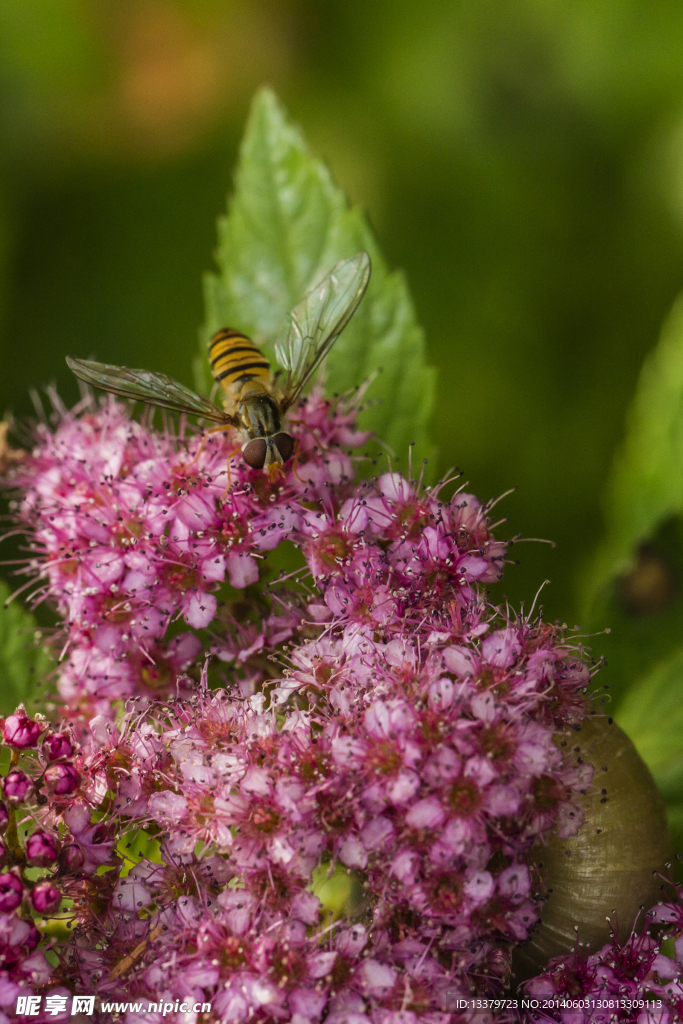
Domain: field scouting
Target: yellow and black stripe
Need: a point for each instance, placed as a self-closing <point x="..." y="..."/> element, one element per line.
<point x="235" y="359"/>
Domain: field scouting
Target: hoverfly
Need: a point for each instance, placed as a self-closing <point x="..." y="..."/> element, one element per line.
<point x="253" y="401"/>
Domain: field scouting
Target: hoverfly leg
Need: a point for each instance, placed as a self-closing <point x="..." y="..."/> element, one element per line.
<point x="233" y="452"/>
<point x="229" y="474"/>
<point x="295" y="460"/>
<point x="212" y="430"/>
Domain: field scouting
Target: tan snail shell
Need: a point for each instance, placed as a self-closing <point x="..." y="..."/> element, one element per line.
<point x="608" y="865"/>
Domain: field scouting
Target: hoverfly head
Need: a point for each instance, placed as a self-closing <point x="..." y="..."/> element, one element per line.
<point x="268" y="452"/>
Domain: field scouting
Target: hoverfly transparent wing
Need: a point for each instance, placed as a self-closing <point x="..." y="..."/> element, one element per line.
<point x="145" y="386"/>
<point x="316" y="323"/>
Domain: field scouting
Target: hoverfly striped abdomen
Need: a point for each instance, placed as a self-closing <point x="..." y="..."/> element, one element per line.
<point x="235" y="360"/>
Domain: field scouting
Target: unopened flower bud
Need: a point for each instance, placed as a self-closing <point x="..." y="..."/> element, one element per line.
<point x="17" y="787"/>
<point x="11" y="892"/>
<point x="21" y="731"/>
<point x="71" y="859"/>
<point x="41" y="849"/>
<point x="32" y="939"/>
<point x="61" y="779"/>
<point x="57" y="745"/>
<point x="4" y="817"/>
<point x="45" y="898"/>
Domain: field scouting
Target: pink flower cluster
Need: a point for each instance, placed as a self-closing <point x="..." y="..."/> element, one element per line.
<point x="403" y="742"/>
<point x="48" y="846"/>
<point x="132" y="530"/>
<point x="408" y="768"/>
<point x="639" y="981"/>
<point x="390" y="554"/>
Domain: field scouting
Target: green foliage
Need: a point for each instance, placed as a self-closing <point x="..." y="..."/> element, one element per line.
<point x="633" y="586"/>
<point x="643" y="511"/>
<point x="23" y="664"/>
<point x="288" y="224"/>
<point x="646" y="483"/>
<point x="645" y="634"/>
<point x="652" y="715"/>
<point x="643" y="545"/>
<point x="134" y="846"/>
<point x="340" y="892"/>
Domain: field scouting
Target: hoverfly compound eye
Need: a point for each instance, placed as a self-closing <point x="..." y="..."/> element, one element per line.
<point x="254" y="452"/>
<point x="285" y="445"/>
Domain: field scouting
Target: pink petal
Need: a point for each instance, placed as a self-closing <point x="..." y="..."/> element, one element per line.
<point x="200" y="609"/>
<point x="242" y="569"/>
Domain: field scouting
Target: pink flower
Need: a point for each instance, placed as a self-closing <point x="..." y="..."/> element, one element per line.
<point x="11" y="892"/>
<point x="46" y="898"/>
<point x="57" y="745"/>
<point x="71" y="858"/>
<point x="501" y="648"/>
<point x="168" y="808"/>
<point x="377" y="979"/>
<point x="427" y="813"/>
<point x="62" y="779"/>
<point x="17" y="787"/>
<point x="624" y="973"/>
<point x="21" y="731"/>
<point x="41" y="849"/>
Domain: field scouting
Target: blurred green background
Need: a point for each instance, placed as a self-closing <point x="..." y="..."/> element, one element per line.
<point x="522" y="161"/>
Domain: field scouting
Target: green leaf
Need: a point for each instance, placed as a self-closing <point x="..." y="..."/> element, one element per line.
<point x="23" y="664"/>
<point x="645" y="487"/>
<point x="652" y="715"/>
<point x="134" y="846"/>
<point x="287" y="225"/>
<point x="632" y="585"/>
<point x="674" y="817"/>
<point x="340" y="893"/>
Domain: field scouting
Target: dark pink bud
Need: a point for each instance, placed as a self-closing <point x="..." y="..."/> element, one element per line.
<point x="46" y="898"/>
<point x="4" y="817"/>
<point x="41" y="849"/>
<point x="71" y="859"/>
<point x="17" y="787"/>
<point x="11" y="892"/>
<point x="61" y="779"/>
<point x="32" y="939"/>
<point x="57" y="745"/>
<point x="21" y="731"/>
